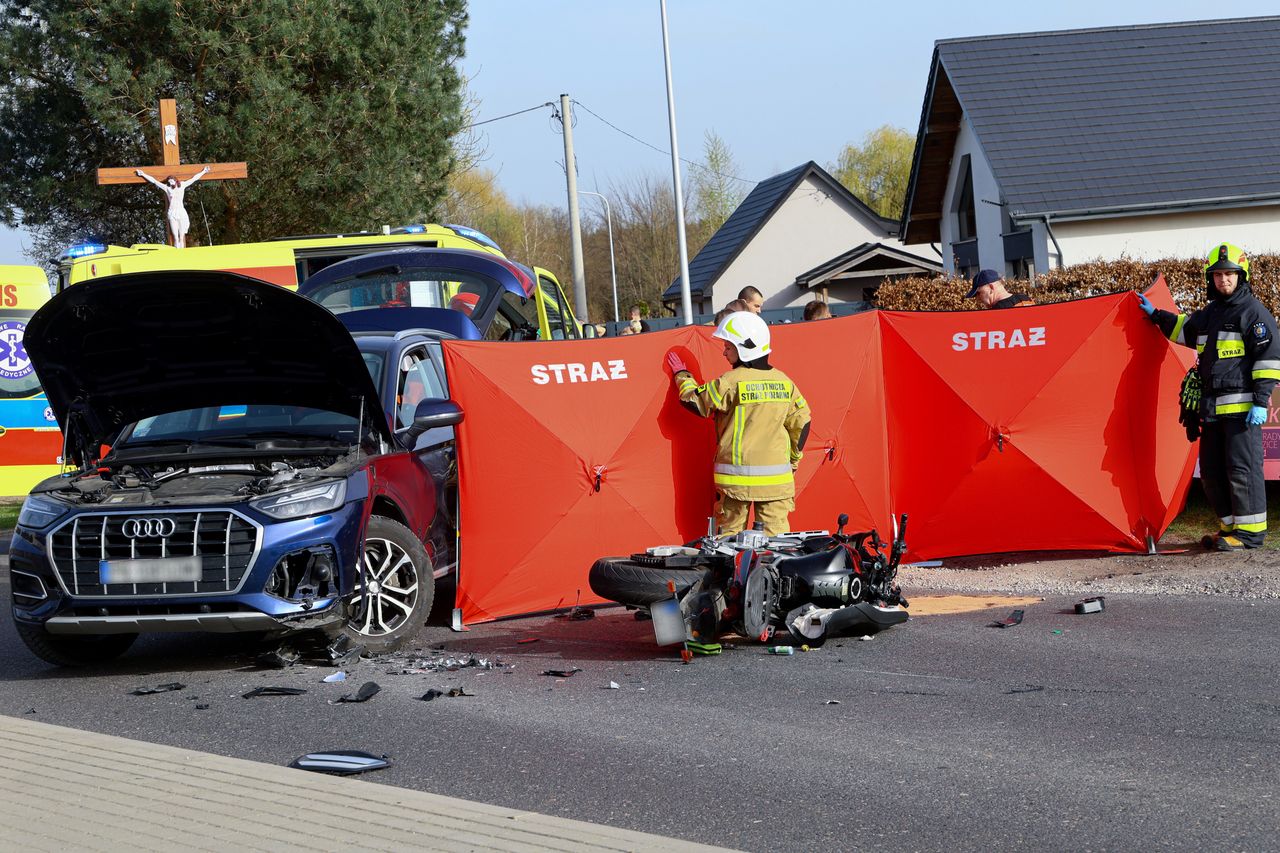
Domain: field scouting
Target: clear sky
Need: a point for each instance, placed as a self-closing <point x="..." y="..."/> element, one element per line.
<point x="781" y="83"/>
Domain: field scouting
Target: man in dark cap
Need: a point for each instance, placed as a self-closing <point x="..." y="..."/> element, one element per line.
<point x="988" y="287"/>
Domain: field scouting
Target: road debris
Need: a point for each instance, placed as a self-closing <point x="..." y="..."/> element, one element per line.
<point x="335" y="677"/>
<point x="562" y="673"/>
<point x="832" y="702"/>
<point x="159" y="688"/>
<point x="780" y="650"/>
<point x="272" y="690"/>
<point x="577" y="614"/>
<point x="445" y="663"/>
<point x="452" y="692"/>
<point x="282" y="656"/>
<point x="343" y="652"/>
<point x="366" y="692"/>
<point x="613" y="685"/>
<point x="340" y="762"/>
<point x="1091" y="605"/>
<point x="1014" y="618"/>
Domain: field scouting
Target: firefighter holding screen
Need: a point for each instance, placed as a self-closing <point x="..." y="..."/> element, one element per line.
<point x="762" y="422"/>
<point x="1238" y="365"/>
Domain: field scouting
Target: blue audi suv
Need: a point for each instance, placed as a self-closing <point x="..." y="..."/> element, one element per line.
<point x="236" y="468"/>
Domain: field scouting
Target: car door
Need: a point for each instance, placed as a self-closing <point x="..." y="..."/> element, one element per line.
<point x="420" y="376"/>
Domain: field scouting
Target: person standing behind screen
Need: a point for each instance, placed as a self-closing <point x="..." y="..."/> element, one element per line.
<point x="988" y="288"/>
<point x="817" y="310"/>
<point x="753" y="298"/>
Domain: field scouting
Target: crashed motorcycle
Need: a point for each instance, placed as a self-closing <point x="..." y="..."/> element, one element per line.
<point x="803" y="586"/>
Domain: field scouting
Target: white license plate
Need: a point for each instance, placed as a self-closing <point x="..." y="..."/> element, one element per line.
<point x="161" y="570"/>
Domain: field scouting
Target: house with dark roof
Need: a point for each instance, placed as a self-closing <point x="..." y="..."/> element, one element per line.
<point x="1039" y="150"/>
<point x="795" y="236"/>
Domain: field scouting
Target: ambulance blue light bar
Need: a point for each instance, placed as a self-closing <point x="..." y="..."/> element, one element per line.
<point x="83" y="250"/>
<point x="473" y="234"/>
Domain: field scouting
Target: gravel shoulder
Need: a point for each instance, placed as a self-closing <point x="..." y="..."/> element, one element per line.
<point x="1182" y="568"/>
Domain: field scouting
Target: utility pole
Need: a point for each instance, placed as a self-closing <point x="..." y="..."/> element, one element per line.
<point x="575" y="223"/>
<point x="685" y="301"/>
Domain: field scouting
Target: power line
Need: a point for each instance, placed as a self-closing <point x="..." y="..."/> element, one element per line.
<point x="659" y="150"/>
<point x="508" y="115"/>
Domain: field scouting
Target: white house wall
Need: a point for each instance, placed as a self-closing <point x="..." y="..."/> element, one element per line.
<point x="1170" y="235"/>
<point x="813" y="225"/>
<point x="989" y="217"/>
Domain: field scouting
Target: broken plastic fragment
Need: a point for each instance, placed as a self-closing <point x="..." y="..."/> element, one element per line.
<point x="280" y="657"/>
<point x="202" y="707"/>
<point x="343" y="652"/>
<point x="366" y="692"/>
<point x="613" y="685"/>
<point x="577" y="614"/>
<point x="562" y="673"/>
<point x="335" y="677"/>
<point x="159" y="688"/>
<point x="272" y="690"/>
<point x="1014" y="618"/>
<point x="341" y="762"/>
<point x="832" y="702"/>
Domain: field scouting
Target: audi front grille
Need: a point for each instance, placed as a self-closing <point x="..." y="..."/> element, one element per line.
<point x="225" y="542"/>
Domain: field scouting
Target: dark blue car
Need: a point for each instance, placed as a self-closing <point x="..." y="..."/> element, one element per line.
<point x="265" y="472"/>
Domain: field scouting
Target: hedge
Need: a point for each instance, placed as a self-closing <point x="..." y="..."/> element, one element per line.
<point x="1185" y="277"/>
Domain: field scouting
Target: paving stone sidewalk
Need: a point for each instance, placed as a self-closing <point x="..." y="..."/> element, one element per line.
<point x="66" y="789"/>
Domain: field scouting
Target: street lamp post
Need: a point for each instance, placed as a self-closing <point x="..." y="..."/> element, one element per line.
<point x="613" y="271"/>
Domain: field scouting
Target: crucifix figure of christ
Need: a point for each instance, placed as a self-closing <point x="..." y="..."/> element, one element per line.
<point x="177" y="176"/>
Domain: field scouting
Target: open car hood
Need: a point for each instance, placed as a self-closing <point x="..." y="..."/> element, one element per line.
<point x="113" y="351"/>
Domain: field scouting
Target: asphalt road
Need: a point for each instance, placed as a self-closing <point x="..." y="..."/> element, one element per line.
<point x="1153" y="724"/>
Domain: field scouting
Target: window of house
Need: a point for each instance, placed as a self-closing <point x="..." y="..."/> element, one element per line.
<point x="966" y="209"/>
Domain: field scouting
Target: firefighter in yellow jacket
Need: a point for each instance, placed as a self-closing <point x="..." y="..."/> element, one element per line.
<point x="762" y="422"/>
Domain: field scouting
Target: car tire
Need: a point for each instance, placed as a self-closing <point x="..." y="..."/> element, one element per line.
<point x="402" y="588"/>
<point x="629" y="582"/>
<point x="73" y="649"/>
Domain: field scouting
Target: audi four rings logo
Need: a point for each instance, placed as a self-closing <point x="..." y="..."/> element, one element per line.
<point x="148" y="528"/>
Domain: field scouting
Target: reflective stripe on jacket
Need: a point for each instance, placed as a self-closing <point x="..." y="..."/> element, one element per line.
<point x="1239" y="351"/>
<point x="760" y="417"/>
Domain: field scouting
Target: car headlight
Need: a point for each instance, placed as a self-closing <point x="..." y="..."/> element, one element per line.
<point x="40" y="511"/>
<point x="309" y="500"/>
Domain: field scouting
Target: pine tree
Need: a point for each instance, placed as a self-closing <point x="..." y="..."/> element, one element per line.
<point x="345" y="111"/>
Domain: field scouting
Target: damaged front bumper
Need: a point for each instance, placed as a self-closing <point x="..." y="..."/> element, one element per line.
<point x="234" y="622"/>
<point x="275" y="597"/>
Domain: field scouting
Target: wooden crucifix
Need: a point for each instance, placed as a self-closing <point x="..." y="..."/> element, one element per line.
<point x="172" y="177"/>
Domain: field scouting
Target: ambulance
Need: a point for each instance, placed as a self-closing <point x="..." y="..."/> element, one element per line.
<point x="30" y="442"/>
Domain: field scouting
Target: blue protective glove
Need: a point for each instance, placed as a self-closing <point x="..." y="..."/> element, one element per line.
<point x="1145" y="305"/>
<point x="1257" y="416"/>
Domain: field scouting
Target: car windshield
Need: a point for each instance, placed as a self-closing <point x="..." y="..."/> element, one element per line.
<point x="243" y="423"/>
<point x="409" y="287"/>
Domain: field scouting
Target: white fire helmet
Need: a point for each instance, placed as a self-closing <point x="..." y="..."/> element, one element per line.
<point x="747" y="332"/>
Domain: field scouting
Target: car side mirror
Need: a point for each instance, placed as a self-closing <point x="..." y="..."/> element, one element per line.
<point x="433" y="413"/>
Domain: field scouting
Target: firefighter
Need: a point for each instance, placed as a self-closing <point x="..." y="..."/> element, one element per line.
<point x="762" y="422"/>
<point x="1238" y="365"/>
<point x="988" y="287"/>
